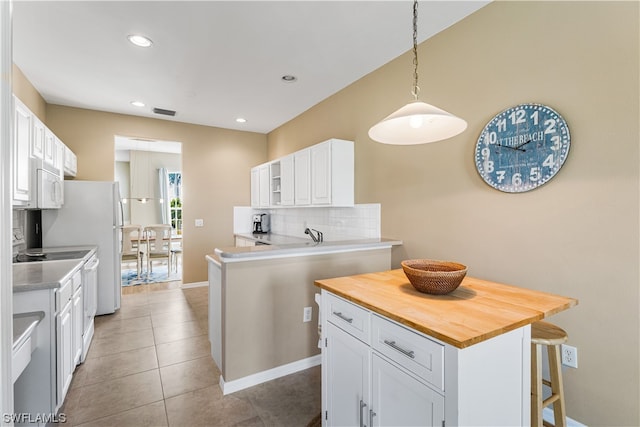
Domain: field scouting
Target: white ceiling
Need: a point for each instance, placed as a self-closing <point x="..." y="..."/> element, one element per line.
<point x="213" y="61"/>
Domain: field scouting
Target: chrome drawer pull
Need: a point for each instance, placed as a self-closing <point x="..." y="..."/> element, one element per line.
<point x="394" y="346"/>
<point x="343" y="317"/>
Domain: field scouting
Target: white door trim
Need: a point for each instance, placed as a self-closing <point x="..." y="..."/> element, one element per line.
<point x="6" y="175"/>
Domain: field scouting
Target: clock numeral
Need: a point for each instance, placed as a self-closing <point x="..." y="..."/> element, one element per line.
<point x="517" y="117"/>
<point x="488" y="166"/>
<point x="535" y="174"/>
<point x="492" y="138"/>
<point x="556" y="142"/>
<point x="550" y="126"/>
<point x="548" y="162"/>
<point x="500" y="176"/>
<point x="502" y="125"/>
<point x="536" y="117"/>
<point x="485" y="153"/>
<point x="516" y="179"/>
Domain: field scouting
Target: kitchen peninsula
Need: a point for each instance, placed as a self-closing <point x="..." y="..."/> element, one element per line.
<point x="257" y="297"/>
<point x="409" y="357"/>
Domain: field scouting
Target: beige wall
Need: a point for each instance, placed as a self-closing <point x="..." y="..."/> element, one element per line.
<point x="216" y="167"/>
<point x="578" y="234"/>
<point x="25" y="91"/>
<point x="263" y="302"/>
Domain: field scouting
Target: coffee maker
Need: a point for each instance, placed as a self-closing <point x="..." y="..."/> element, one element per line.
<point x="261" y="223"/>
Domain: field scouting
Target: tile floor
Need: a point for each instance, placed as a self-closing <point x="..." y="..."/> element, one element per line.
<point x="149" y="365"/>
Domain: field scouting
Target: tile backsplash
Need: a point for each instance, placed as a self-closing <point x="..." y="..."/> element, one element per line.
<point x="358" y="222"/>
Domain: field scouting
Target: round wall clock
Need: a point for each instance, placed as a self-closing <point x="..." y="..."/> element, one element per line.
<point x="522" y="148"/>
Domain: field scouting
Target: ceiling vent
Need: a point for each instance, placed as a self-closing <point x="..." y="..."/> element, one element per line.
<point x="164" y="112"/>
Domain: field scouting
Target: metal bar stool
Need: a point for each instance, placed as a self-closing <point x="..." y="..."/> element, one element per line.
<point x="551" y="336"/>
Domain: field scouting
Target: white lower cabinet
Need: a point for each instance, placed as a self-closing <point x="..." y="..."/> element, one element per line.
<point x="378" y="372"/>
<point x="64" y="351"/>
<point x="78" y="322"/>
<point x="347" y="378"/>
<point x="400" y="399"/>
<point x="43" y="385"/>
<point x="361" y="386"/>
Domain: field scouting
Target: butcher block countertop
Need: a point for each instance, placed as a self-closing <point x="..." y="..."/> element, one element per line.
<point x="476" y="311"/>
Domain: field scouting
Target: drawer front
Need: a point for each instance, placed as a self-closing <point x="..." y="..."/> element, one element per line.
<point x="63" y="295"/>
<point x="410" y="350"/>
<point x="76" y="280"/>
<point x="348" y="317"/>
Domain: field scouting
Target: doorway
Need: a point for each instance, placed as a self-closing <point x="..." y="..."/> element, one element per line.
<point x="149" y="172"/>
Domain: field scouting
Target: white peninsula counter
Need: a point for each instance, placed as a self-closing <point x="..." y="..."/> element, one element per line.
<point x="257" y="297"/>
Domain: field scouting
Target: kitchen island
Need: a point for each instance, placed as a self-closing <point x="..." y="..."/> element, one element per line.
<point x="392" y="355"/>
<point x="257" y="298"/>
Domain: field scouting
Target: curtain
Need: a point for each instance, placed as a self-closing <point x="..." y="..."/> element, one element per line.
<point x="165" y="206"/>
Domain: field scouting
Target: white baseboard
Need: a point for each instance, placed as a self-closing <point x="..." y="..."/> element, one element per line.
<point x="547" y="415"/>
<point x="194" y="285"/>
<point x="268" y="375"/>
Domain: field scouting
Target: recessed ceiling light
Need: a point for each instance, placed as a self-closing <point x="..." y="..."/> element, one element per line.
<point x="139" y="40"/>
<point x="137" y="103"/>
<point x="289" y="78"/>
<point x="241" y="120"/>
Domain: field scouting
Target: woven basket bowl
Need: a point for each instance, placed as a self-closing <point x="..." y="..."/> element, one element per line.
<point x="434" y="277"/>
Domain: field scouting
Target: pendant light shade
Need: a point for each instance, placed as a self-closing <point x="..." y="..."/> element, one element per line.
<point x="417" y="123"/>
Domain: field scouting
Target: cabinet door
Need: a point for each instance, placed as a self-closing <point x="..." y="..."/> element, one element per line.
<point x="287" y="179"/>
<point x="37" y="143"/>
<point x="255" y="187"/>
<point x="64" y="352"/>
<point x="70" y="162"/>
<point x="49" y="147"/>
<point x="78" y="319"/>
<point x="21" y="157"/>
<point x="302" y="177"/>
<point x="321" y="174"/>
<point x="347" y="379"/>
<point x="398" y="398"/>
<point x="264" y="186"/>
<point x="58" y="156"/>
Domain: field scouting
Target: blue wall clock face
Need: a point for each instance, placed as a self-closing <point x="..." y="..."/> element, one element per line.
<point x="522" y="148"/>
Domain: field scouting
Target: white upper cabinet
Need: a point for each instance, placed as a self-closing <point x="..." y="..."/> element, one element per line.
<point x="23" y="131"/>
<point x="321" y="175"/>
<point x="70" y="162"/>
<point x="37" y="150"/>
<point x="302" y="177"/>
<point x="255" y="187"/>
<point x="37" y="142"/>
<point x="260" y="186"/>
<point x="287" y="181"/>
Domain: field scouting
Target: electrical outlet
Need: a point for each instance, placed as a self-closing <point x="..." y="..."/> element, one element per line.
<point x="306" y="314"/>
<point x="569" y="356"/>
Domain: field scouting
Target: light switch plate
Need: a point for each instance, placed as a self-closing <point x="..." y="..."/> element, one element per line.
<point x="199" y="222"/>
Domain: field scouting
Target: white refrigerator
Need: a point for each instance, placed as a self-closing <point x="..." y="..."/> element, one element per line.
<point x="91" y="215"/>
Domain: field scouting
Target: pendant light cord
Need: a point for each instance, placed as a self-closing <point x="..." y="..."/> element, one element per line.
<point x="416" y="88"/>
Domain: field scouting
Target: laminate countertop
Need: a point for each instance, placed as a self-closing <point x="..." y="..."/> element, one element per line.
<point x="297" y="247"/>
<point x="32" y="276"/>
<point x="476" y="311"/>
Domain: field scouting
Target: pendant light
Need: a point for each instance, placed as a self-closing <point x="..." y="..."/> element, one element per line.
<point x="416" y="122"/>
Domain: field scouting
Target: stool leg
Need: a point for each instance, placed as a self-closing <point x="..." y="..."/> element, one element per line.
<point x="536" y="386"/>
<point x="555" y="372"/>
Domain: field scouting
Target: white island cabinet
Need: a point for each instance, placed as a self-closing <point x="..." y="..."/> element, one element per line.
<point x="393" y="356"/>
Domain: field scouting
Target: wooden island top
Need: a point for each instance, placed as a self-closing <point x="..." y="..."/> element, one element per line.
<point x="476" y="311"/>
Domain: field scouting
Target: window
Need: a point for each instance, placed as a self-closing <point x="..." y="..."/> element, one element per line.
<point x="175" y="204"/>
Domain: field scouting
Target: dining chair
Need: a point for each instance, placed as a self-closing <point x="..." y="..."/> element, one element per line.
<point x="176" y="253"/>
<point x="131" y="251"/>
<point x="158" y="237"/>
